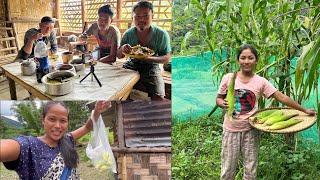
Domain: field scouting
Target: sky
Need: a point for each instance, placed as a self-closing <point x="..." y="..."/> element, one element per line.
<point x="5" y="108"/>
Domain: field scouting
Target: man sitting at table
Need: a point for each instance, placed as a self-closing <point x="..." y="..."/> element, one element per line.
<point x="45" y="33"/>
<point x="107" y="35"/>
<point x="151" y="36"/>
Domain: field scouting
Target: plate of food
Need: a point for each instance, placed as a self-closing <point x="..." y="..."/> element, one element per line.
<point x="139" y="52"/>
<point x="281" y="120"/>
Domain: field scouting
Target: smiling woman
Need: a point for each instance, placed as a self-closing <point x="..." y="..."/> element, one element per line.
<point x="53" y="154"/>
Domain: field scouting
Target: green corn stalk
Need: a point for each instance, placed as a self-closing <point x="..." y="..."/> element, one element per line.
<point x="230" y="96"/>
<point x="284" y="124"/>
<point x="276" y="119"/>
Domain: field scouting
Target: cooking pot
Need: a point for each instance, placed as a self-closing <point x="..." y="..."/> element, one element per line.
<point x="28" y="67"/>
<point x="78" y="64"/>
<point x="59" y="82"/>
<point x="65" y="67"/>
<point x="67" y="57"/>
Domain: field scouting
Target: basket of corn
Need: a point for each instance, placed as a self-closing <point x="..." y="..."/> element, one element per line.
<point x="281" y="120"/>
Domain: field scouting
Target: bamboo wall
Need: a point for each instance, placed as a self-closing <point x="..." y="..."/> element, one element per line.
<point x="72" y="17"/>
<point x="27" y="14"/>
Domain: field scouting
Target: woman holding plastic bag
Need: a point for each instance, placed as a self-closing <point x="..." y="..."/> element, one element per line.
<point x="53" y="155"/>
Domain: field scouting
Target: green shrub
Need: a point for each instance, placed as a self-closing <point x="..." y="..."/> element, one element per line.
<point x="197" y="147"/>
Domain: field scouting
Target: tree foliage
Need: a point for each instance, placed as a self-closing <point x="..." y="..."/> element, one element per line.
<point x="285" y="33"/>
<point x="29" y="114"/>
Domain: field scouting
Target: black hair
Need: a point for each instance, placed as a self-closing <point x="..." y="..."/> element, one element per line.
<point x="68" y="151"/>
<point x="47" y="19"/>
<point x="248" y="46"/>
<point x="143" y="4"/>
<point x="106" y="9"/>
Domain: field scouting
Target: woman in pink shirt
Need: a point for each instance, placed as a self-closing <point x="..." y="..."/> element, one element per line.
<point x="239" y="138"/>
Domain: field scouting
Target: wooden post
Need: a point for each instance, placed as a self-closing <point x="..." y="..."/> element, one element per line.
<point x="120" y="132"/>
<point x="119" y="12"/>
<point x="6" y="10"/>
<point x="124" y="166"/>
<point x="83" y="11"/>
<point x="12" y="86"/>
<point x="57" y="10"/>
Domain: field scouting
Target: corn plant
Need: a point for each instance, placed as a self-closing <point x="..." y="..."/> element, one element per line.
<point x="280" y="30"/>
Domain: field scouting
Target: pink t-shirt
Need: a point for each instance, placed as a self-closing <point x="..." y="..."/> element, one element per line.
<point x="247" y="96"/>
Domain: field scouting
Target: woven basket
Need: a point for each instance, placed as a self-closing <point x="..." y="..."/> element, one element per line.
<point x="307" y="121"/>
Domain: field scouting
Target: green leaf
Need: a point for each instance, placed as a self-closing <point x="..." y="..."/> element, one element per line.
<point x="184" y="40"/>
<point x="245" y="9"/>
<point x="302" y="61"/>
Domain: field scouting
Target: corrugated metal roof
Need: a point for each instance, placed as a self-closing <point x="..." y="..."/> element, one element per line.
<point x="147" y="124"/>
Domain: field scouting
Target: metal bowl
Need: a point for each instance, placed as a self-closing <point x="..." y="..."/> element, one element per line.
<point x="78" y="64"/>
<point x="65" y="67"/>
<point x="56" y="87"/>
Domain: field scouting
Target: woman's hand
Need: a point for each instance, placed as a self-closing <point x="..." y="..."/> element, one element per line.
<point x="222" y="103"/>
<point x="225" y="104"/>
<point x="310" y="112"/>
<point x="99" y="108"/>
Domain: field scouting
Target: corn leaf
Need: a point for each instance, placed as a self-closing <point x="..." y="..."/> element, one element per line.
<point x="245" y="8"/>
<point x="302" y="61"/>
<point x="230" y="96"/>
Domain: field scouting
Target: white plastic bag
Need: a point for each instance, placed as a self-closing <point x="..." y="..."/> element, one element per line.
<point x="99" y="150"/>
<point x="40" y="50"/>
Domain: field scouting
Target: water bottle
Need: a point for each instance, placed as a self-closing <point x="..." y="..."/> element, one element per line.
<point x="41" y="57"/>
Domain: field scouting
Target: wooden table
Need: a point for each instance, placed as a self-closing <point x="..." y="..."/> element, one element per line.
<point x="116" y="81"/>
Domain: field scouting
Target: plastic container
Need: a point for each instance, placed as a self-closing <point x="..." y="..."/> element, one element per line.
<point x="41" y="57"/>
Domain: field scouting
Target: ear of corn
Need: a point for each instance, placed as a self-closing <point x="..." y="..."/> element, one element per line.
<point x="275" y="113"/>
<point x="230" y="96"/>
<point x="265" y="113"/>
<point x="105" y="163"/>
<point x="284" y="124"/>
<point x="276" y="119"/>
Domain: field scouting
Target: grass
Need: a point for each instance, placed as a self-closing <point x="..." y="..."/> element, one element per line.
<point x="197" y="148"/>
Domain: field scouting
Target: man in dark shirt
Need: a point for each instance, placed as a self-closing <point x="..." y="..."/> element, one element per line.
<point x="45" y="33"/>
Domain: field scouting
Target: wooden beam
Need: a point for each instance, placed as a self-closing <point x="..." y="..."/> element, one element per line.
<point x="7" y="39"/>
<point x="13" y="91"/>
<point x="7" y="10"/>
<point x="57" y="10"/>
<point x="142" y="150"/>
<point x="6" y="28"/>
<point x="8" y="49"/>
<point x="25" y="20"/>
<point x="119" y="12"/>
<point x="120" y="132"/>
<point x="8" y="56"/>
<point x="83" y="11"/>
